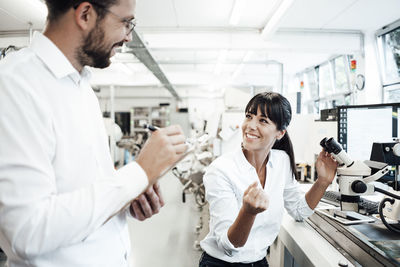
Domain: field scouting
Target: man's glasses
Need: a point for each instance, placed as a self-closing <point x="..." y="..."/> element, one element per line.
<point x="129" y="24"/>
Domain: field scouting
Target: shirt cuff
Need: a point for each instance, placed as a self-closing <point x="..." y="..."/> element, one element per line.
<point x="304" y="209"/>
<point x="227" y="246"/>
<point x="134" y="177"/>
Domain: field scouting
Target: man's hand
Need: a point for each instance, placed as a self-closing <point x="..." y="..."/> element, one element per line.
<point x="255" y="200"/>
<point x="161" y="150"/>
<point x="147" y="204"/>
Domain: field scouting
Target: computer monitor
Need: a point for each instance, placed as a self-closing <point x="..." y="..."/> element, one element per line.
<point x="360" y="126"/>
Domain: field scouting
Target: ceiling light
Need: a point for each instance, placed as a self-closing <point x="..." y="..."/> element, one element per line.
<point x="221" y="59"/>
<point x="237" y="12"/>
<point x="212" y="88"/>
<point x="272" y="24"/>
<point x="248" y="56"/>
<point x="239" y="69"/>
<point x="123" y="68"/>
<point x="40" y="6"/>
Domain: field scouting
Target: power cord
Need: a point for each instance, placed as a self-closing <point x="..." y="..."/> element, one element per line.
<point x="391" y="227"/>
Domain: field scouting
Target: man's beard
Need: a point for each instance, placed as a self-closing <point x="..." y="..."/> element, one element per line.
<point x="95" y="52"/>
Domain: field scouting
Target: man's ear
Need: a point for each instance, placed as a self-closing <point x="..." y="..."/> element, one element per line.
<point x="85" y="15"/>
<point x="280" y="134"/>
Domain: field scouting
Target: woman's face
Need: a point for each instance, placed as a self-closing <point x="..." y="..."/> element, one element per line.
<point x="259" y="132"/>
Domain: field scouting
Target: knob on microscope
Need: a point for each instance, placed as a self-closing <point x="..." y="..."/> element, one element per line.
<point x="359" y="187"/>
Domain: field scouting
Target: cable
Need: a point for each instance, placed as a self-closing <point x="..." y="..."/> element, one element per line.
<point x="377" y="189"/>
<point x="4" y="51"/>
<point x="392" y="227"/>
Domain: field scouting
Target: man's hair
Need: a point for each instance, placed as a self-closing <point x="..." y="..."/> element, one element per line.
<point x="58" y="8"/>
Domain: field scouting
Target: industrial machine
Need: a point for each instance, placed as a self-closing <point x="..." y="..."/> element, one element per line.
<point x="190" y="172"/>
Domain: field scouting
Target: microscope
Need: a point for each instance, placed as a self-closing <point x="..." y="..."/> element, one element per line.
<point x="355" y="179"/>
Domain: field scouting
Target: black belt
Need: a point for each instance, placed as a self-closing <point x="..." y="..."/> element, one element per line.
<point x="260" y="263"/>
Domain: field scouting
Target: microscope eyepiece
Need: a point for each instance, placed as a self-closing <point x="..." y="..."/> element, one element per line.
<point x="333" y="146"/>
<point x="335" y="149"/>
<point x="323" y="144"/>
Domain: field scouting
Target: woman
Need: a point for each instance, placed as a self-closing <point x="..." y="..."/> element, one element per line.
<point x="248" y="189"/>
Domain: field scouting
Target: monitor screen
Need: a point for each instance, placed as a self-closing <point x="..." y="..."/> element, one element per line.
<point x="360" y="126"/>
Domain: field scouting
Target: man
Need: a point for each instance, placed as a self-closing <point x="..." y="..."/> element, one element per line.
<point x="61" y="201"/>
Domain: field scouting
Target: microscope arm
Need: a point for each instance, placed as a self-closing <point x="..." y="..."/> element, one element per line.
<point x="377" y="175"/>
<point x="350" y="186"/>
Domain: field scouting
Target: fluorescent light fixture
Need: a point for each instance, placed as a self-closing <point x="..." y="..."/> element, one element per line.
<point x="237" y="12"/>
<point x="221" y="59"/>
<point x="123" y="68"/>
<point x="39" y="5"/>
<point x="272" y="24"/>
<point x="212" y="88"/>
<point x="248" y="56"/>
<point x="239" y="69"/>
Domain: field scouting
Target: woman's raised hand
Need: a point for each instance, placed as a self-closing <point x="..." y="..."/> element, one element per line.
<point x="255" y="200"/>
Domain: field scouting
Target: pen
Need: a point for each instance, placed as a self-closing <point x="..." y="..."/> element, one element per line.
<point x="188" y="151"/>
<point x="151" y="127"/>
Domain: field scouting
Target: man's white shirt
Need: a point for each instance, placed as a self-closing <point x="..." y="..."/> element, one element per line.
<point x="58" y="185"/>
<point x="226" y="180"/>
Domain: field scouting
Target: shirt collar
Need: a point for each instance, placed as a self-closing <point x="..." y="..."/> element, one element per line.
<point x="86" y="73"/>
<point x="55" y="60"/>
<point x="243" y="162"/>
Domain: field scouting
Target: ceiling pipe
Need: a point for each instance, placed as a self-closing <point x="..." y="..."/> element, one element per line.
<point x="139" y="49"/>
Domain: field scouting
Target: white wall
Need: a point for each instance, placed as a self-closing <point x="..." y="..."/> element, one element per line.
<point x="15" y="41"/>
<point x="121" y="105"/>
<point x="209" y="109"/>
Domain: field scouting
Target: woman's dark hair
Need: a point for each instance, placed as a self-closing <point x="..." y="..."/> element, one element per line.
<point x="277" y="108"/>
<point x="57" y="8"/>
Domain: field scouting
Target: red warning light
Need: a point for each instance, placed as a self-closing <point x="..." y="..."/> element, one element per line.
<point x="353" y="65"/>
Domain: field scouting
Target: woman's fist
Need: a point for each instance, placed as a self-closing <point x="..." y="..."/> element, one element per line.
<point x="255" y="200"/>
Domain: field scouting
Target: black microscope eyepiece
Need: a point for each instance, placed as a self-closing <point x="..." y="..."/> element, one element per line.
<point x="333" y="146"/>
<point x="323" y="144"/>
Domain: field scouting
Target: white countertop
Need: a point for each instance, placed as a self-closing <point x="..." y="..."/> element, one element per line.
<point x="306" y="245"/>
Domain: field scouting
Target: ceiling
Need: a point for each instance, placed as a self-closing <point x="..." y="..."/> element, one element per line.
<point x="198" y="48"/>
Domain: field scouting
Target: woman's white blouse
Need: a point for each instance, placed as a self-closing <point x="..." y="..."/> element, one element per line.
<point x="226" y="180"/>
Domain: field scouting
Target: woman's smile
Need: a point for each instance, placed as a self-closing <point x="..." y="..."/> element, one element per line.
<point x="252" y="136"/>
